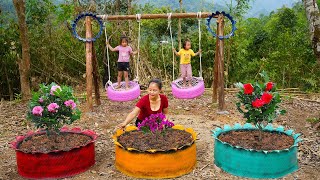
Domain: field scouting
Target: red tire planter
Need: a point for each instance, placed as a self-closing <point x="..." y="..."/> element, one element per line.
<point x="56" y="164"/>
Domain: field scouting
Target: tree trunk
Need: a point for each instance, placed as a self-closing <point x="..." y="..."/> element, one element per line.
<point x="9" y="83"/>
<point x="179" y="30"/>
<point x="313" y="17"/>
<point x="24" y="63"/>
<point x="129" y="21"/>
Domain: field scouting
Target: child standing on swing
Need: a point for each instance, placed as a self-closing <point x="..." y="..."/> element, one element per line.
<point x="185" y="61"/>
<point x="123" y="60"/>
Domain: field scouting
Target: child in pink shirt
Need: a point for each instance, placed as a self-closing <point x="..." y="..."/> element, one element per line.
<point x="123" y="60"/>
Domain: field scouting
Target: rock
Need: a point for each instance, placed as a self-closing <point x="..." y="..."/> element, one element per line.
<point x="93" y="172"/>
<point x="102" y="174"/>
<point x="307" y="125"/>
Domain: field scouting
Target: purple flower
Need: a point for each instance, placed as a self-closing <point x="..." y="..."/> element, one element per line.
<point x="54" y="88"/>
<point x="37" y="111"/>
<point x="155" y="122"/>
<point x="70" y="103"/>
<point x="53" y="107"/>
<point x="41" y="100"/>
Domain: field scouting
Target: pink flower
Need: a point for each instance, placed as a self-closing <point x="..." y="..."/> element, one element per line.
<point x="70" y="103"/>
<point x="40" y="100"/>
<point x="52" y="107"/>
<point x="37" y="111"/>
<point x="53" y="89"/>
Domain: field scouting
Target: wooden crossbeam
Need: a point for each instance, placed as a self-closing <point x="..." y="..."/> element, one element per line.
<point x="155" y="16"/>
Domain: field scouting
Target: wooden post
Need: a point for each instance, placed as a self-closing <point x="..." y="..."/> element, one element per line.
<point x="96" y="76"/>
<point x="221" y="65"/>
<point x="215" y="67"/>
<point x="89" y="64"/>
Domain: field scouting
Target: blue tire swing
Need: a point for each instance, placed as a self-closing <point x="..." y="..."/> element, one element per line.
<point x="83" y="15"/>
<point x="233" y="22"/>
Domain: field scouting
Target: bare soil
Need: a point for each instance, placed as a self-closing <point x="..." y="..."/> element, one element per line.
<point x="249" y="139"/>
<point x="199" y="114"/>
<point x="44" y="143"/>
<point x="162" y="141"/>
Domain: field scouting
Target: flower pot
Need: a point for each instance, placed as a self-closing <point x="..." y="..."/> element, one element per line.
<point x="154" y="163"/>
<point x="55" y="164"/>
<point x="255" y="163"/>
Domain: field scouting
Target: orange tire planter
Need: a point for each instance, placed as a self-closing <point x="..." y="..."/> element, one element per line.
<point x="153" y="163"/>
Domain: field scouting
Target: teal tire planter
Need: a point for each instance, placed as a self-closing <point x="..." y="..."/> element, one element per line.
<point x="255" y="163"/>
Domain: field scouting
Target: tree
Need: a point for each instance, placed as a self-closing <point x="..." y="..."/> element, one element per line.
<point x="179" y="30"/>
<point x="24" y="62"/>
<point x="313" y="17"/>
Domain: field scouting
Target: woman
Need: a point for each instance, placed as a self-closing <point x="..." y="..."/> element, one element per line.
<point x="152" y="103"/>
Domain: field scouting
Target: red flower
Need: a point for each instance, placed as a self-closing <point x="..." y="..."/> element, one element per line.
<point x="248" y="88"/>
<point x="258" y="103"/>
<point x="269" y="86"/>
<point x="266" y="98"/>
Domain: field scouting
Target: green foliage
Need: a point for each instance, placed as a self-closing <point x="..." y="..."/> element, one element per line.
<point x="52" y="107"/>
<point x="260" y="102"/>
<point x="313" y="120"/>
<point x="278" y="43"/>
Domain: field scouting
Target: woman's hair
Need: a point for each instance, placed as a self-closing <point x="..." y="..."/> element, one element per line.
<point x="124" y="38"/>
<point x="157" y="81"/>
<point x="185" y="43"/>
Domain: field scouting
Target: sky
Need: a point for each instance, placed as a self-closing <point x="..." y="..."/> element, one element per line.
<point x="260" y="5"/>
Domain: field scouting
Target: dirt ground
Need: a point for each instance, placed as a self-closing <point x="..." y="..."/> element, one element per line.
<point x="199" y="114"/>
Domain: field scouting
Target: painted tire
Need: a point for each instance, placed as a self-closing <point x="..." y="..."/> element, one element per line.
<point x="187" y="93"/>
<point x="125" y="95"/>
<point x="155" y="164"/>
<point x="233" y="22"/>
<point x="252" y="163"/>
<point x="82" y="15"/>
<point x="56" y="164"/>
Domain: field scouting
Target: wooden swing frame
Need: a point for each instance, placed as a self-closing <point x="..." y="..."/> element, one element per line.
<point x="218" y="74"/>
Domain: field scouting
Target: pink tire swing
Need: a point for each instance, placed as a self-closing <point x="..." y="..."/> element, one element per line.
<point x="180" y="92"/>
<point x="197" y="89"/>
<point x="121" y="94"/>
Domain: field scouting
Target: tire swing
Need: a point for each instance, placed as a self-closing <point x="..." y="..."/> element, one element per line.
<point x="82" y="15"/>
<point x="121" y="94"/>
<point x="233" y="23"/>
<point x="197" y="89"/>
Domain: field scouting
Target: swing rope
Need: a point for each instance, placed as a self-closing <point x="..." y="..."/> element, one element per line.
<point x="138" y="18"/>
<point x="164" y="62"/>
<point x="200" y="55"/>
<point x="173" y="56"/>
<point x="108" y="58"/>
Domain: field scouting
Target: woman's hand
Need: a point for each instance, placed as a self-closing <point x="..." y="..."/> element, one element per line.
<point x="121" y="125"/>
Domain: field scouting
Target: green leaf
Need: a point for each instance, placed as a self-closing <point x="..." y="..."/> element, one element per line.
<point x="282" y="112"/>
<point x="145" y="129"/>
